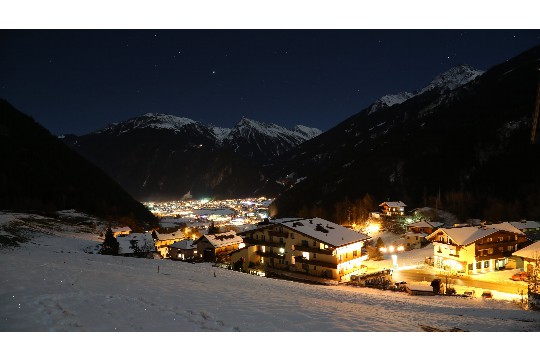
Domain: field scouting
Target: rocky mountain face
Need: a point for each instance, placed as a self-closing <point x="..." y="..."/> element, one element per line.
<point x="41" y="174"/>
<point x="158" y="156"/>
<point x="461" y="143"/>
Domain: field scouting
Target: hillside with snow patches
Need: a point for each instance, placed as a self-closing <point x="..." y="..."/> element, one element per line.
<point x="447" y="141"/>
<point x="54" y="281"/>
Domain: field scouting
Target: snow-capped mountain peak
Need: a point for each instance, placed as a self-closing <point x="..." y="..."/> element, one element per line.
<point x="449" y="80"/>
<point x="149" y="120"/>
<point x="306" y="132"/>
<point x="453" y="78"/>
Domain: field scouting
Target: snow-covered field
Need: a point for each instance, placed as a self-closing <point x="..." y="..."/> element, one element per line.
<point x="50" y="283"/>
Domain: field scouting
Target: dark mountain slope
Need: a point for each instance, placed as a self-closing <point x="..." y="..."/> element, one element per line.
<point x="164" y="157"/>
<point x="470" y="145"/>
<point x="39" y="173"/>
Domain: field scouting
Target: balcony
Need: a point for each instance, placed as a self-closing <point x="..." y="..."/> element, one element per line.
<point x="300" y="259"/>
<point x="313" y="250"/>
<point x="258" y="242"/>
<point x="496" y="244"/>
<point x="278" y="234"/>
<point x="270" y="254"/>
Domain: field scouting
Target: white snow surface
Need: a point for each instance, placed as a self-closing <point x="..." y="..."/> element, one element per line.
<point x="50" y="283"/>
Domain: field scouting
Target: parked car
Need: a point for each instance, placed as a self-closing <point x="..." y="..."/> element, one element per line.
<point x="520" y="276"/>
<point x="487" y="294"/>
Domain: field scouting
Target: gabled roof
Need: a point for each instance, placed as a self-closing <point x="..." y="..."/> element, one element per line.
<point x="143" y="240"/>
<point x="423" y="224"/>
<point x="186" y="244"/>
<point x="393" y="204"/>
<point x="222" y="239"/>
<point x="525" y="224"/>
<point x="169" y="236"/>
<point x="530" y="251"/>
<point x="466" y="235"/>
<point x="325" y="231"/>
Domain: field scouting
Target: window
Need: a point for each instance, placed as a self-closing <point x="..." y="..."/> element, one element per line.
<point x="340" y="257"/>
<point x="509" y="248"/>
<point x="490" y="251"/>
<point x="490" y="239"/>
<point x="486" y="264"/>
<point x="304" y="243"/>
<point x="355" y="253"/>
<point x="281" y="240"/>
<point x="314" y="255"/>
<point x="481" y="241"/>
<point x="478" y="265"/>
<point x="314" y="243"/>
<point x="292" y="235"/>
<point x="314" y="268"/>
<point x="500" y="239"/>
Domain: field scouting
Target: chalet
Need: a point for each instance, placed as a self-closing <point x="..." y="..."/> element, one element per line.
<point x="417" y="233"/>
<point x="120" y="230"/>
<point x="217" y="247"/>
<point x="164" y="240"/>
<point x="529" y="255"/>
<point x="312" y="246"/>
<point x="182" y="250"/>
<point x="391" y="209"/>
<point x="135" y="244"/>
<point x="474" y="249"/>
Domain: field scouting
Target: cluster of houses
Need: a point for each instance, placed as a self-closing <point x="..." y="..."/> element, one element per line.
<point x="320" y="248"/>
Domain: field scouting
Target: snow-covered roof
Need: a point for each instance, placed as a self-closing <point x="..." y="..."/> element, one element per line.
<point x="168" y="236"/>
<point x="421" y="234"/>
<point x="325" y="231"/>
<point x="186" y="244"/>
<point x="506" y="226"/>
<point x="121" y="229"/>
<point x="423" y="224"/>
<point x="393" y="204"/>
<point x="222" y="239"/>
<point x="525" y="224"/>
<point x="531" y="251"/>
<point x="466" y="235"/>
<point x="143" y="240"/>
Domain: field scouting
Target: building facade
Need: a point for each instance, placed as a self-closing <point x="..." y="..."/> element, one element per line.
<point x="475" y="249"/>
<point x="217" y="247"/>
<point x="311" y="246"/>
<point x="393" y="209"/>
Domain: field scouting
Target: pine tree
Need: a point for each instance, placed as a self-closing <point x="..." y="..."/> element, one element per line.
<point x="110" y="244"/>
<point x="212" y="229"/>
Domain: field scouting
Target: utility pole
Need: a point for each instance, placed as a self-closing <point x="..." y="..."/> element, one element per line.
<point x="536" y="113"/>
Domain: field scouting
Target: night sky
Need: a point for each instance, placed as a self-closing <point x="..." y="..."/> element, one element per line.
<point x="78" y="81"/>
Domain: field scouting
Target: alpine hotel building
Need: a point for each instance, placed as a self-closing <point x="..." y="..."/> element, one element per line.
<point x="311" y="246"/>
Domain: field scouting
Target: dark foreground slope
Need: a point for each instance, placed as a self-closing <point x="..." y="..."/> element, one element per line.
<point x="39" y="173"/>
<point x="467" y="151"/>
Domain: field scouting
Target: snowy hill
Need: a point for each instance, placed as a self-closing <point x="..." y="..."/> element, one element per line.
<point x="67" y="288"/>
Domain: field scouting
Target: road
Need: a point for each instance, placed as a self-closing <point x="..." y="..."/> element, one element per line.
<point x="418" y="275"/>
